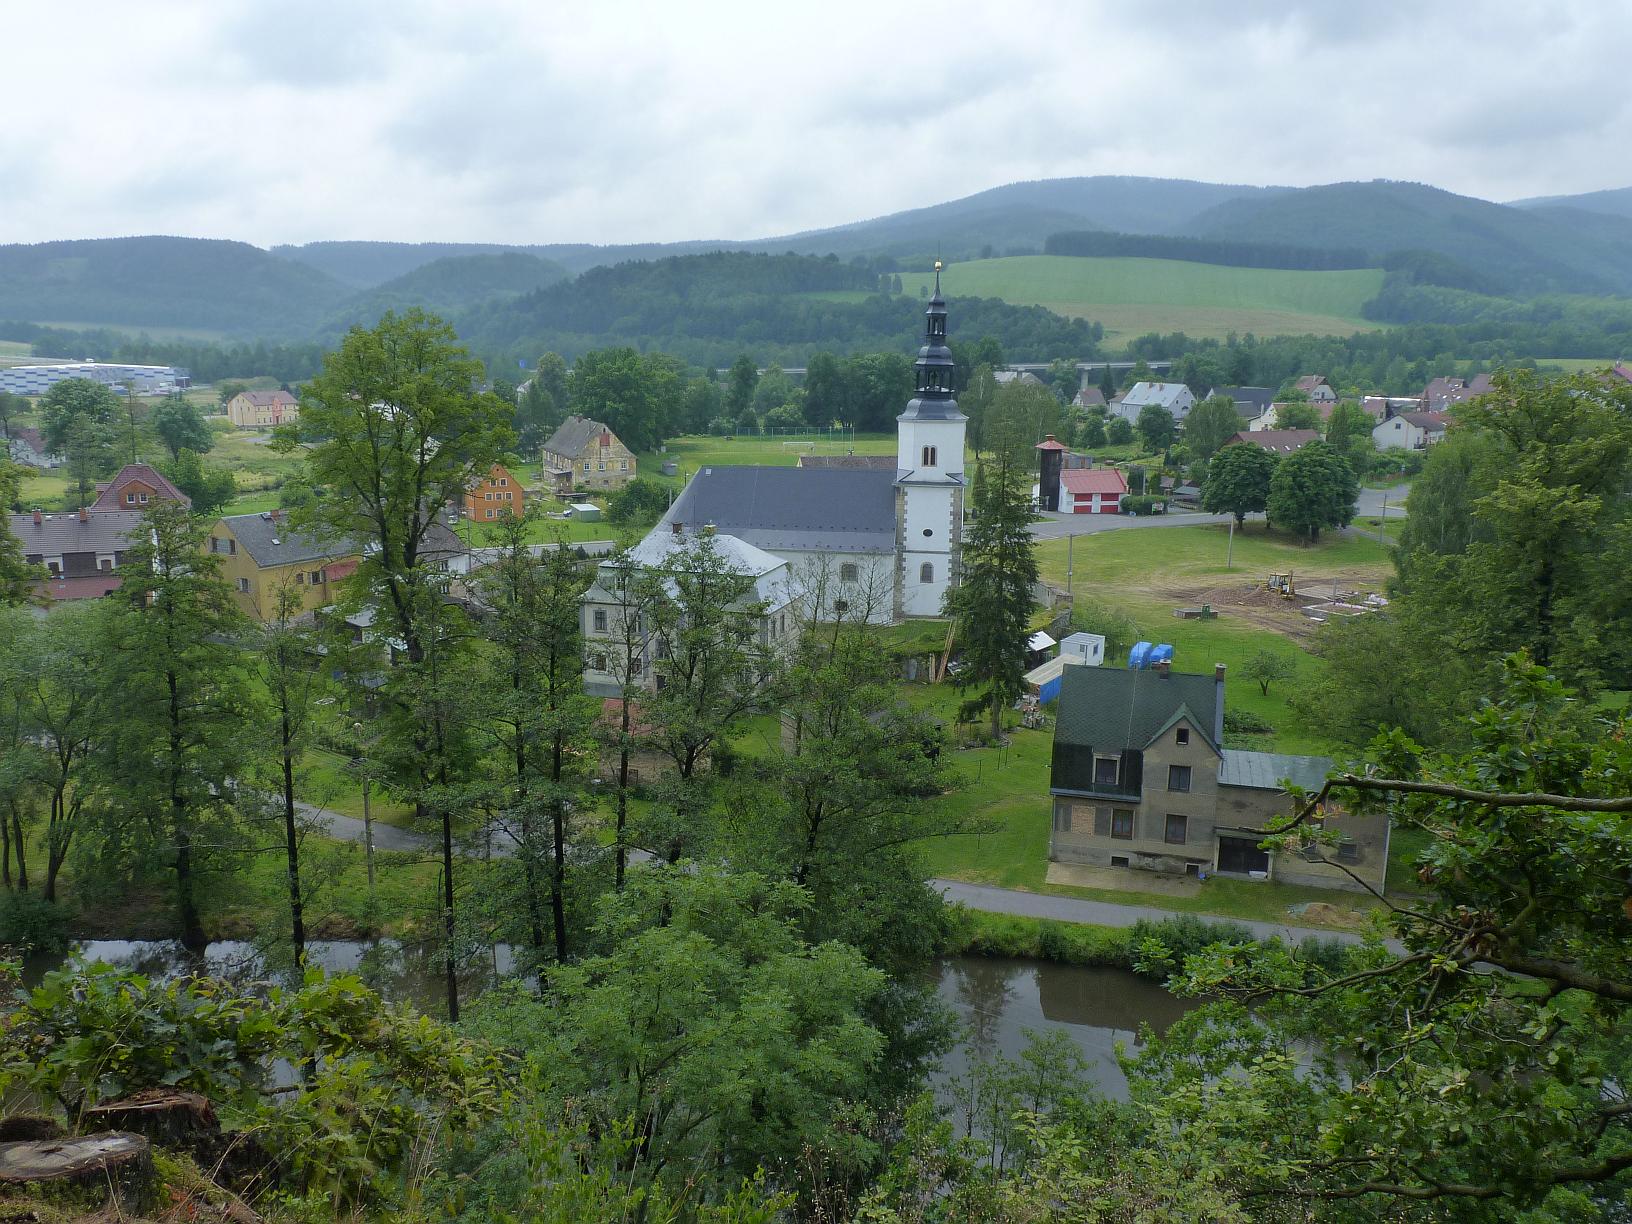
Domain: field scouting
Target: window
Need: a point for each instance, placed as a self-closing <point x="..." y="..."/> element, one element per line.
<point x="929" y="456"/>
<point x="1105" y="770"/>
<point x="926" y="572"/>
<point x="841" y="605"/>
<point x="1348" y="851"/>
<point x="597" y="662"/>
<point x="1177" y="830"/>
<point x="603" y="466"/>
<point x="849" y="572"/>
<point x="130" y="499"/>
<point x="232" y="548"/>
<point x="490" y="514"/>
<point x="928" y="531"/>
<point x="586" y="465"/>
<point x="625" y="465"/>
<point x="1182" y="735"/>
<point x="319" y="576"/>
<point x="300" y="579"/>
<point x="1062" y="818"/>
<point x="105" y="564"/>
<point x="600" y="620"/>
<point x="1122" y="824"/>
<point x="243" y="586"/>
<point x="1178" y="777"/>
<point x="142" y="497"/>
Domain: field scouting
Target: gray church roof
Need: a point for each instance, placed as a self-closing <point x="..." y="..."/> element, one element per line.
<point x="818" y="509"/>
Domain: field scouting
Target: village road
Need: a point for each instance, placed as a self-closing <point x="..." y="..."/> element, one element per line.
<point x="1058" y="526"/>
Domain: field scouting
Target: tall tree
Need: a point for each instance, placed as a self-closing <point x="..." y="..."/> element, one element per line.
<point x="825" y="390"/>
<point x="740" y="383"/>
<point x="543" y="405"/>
<point x="398" y="431"/>
<point x="1238" y="479"/>
<point x="1155" y="426"/>
<point x="16" y="574"/>
<point x="167" y="654"/>
<point x="88" y="446"/>
<point x="1296" y="414"/>
<point x="11" y="407"/>
<point x="992" y="602"/>
<point x="23" y="766"/>
<point x="1348" y="429"/>
<point x="210" y="489"/>
<point x="535" y="630"/>
<point x="75" y="399"/>
<point x="1312" y="488"/>
<point x="180" y="426"/>
<point x="1020" y="416"/>
<point x="1210" y="424"/>
<point x="976" y="403"/>
<point x="637" y="394"/>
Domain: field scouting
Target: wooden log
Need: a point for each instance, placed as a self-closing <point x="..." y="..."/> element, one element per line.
<point x="166" y="1117"/>
<point x="87" y="1170"/>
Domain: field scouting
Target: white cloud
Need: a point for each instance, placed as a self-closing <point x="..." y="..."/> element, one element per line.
<point x="508" y="120"/>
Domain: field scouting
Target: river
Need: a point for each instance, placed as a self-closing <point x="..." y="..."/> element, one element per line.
<point x="998" y="1000"/>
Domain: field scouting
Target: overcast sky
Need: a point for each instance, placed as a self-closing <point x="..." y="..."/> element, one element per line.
<point x="521" y="121"/>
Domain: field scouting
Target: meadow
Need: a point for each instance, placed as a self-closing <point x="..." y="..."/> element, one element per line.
<point x="1131" y="297"/>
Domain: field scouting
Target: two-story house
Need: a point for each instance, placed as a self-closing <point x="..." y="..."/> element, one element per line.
<point x="261" y="557"/>
<point x="27" y="446"/>
<point x="1141" y="779"/>
<point x="262" y="409"/>
<point x="1410" y="431"/>
<point x="79" y="551"/>
<point x="493" y="496"/>
<point x="585" y="454"/>
<point x="1316" y="388"/>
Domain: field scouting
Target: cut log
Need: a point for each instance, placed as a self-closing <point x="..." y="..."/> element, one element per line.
<point x="90" y="1170"/>
<point x="166" y="1117"/>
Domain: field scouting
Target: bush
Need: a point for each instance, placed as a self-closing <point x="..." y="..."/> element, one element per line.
<point x="1245" y="722"/>
<point x="29" y="924"/>
<point x="1119" y="630"/>
<point x="640" y="503"/>
<point x="1138" y="503"/>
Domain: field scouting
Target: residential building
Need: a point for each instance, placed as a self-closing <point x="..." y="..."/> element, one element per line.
<point x="585" y="454"/>
<point x="1175" y="397"/>
<point x="262" y="409"/>
<point x="79" y="550"/>
<point x="27" y="446"/>
<point x="261" y="556"/>
<point x="1270" y="418"/>
<point x="1276" y="441"/>
<point x="1088" y="397"/>
<point x="493" y="496"/>
<point x="1017" y="378"/>
<point x="771" y="595"/>
<point x="136" y="486"/>
<point x="1381" y="407"/>
<point x="1441" y="393"/>
<point x="1140" y="779"/>
<point x="1092" y="490"/>
<point x="1621" y="373"/>
<point x="1250" y="402"/>
<point x="1410" y="431"/>
<point x="1316" y="388"/>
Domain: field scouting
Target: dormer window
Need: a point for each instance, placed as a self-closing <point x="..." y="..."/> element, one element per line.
<point x="929" y="457"/>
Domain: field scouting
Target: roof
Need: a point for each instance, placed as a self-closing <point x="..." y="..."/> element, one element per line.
<point x="103" y="531"/>
<point x="1049" y="443"/>
<point x="269" y="541"/>
<point x="1259" y="397"/>
<point x="1112" y="708"/>
<point x="772" y="584"/>
<point x="1023" y="377"/>
<point x="885" y="463"/>
<point x="1162" y="394"/>
<point x="268" y="399"/>
<point x="1433" y="422"/>
<point x="109" y="495"/>
<point x="1310" y="382"/>
<point x="1278" y="441"/>
<point x="1621" y="370"/>
<point x="1454" y="390"/>
<point x="574" y="435"/>
<point x="1040" y="641"/>
<point x="32" y="438"/>
<point x="1264" y="770"/>
<point x="1080" y="482"/>
<point x="89" y="586"/>
<point x="1089" y="397"/>
<point x="816" y="509"/>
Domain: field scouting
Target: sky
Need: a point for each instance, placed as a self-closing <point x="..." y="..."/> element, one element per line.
<point x="522" y="121"/>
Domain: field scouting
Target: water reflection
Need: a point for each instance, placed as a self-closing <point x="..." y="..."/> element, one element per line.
<point x="1000" y="999"/>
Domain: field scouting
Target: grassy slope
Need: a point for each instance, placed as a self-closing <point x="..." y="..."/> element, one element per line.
<point x="1134" y="296"/>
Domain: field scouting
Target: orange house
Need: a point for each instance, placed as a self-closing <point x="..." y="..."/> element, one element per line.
<point x="494" y="496"/>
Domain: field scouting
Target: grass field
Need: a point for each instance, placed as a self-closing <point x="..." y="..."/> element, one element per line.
<point x="1133" y="296"/>
<point x="1574" y="365"/>
<point x="693" y="452"/>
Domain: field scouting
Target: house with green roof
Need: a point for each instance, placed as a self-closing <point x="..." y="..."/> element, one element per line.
<point x="1140" y="779"/>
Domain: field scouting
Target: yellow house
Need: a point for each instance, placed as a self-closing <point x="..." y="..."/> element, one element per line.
<point x="262" y="409"/>
<point x="585" y="454"/>
<point x="260" y="556"/>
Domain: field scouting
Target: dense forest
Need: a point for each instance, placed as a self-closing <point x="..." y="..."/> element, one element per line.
<point x="1204" y="250"/>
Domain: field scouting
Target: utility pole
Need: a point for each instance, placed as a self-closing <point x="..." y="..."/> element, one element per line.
<point x="1382" y="521"/>
<point x="1070" y="571"/>
<point x="1229" y="550"/>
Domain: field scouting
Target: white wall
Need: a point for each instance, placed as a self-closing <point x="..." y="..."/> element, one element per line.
<point x="931" y="508"/>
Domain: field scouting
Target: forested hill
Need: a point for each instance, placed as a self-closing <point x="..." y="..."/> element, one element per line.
<point x="163" y="282"/>
<point x="709" y="308"/>
<point x="448" y="285"/>
<point x="1513" y="249"/>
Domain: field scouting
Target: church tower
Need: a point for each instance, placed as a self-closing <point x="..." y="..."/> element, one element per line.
<point x="929" y="480"/>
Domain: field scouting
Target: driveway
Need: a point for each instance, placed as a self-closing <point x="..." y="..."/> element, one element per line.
<point x="1055" y="526"/>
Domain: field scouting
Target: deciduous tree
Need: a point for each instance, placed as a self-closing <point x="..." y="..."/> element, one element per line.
<point x="1312" y="488"/>
<point x="1238" y="479"/>
<point x="1210" y="424"/>
<point x="180" y="426"/>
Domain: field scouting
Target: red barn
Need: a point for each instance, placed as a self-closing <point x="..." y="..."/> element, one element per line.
<point x="1092" y="490"/>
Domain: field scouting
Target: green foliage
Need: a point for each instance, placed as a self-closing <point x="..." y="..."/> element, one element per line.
<point x="640" y="503"/>
<point x="1019" y="417"/>
<point x="634" y="393"/>
<point x="31" y="925"/>
<point x="1119" y="629"/>
<point x="1296" y="414"/>
<point x="1238" y="480"/>
<point x="209" y="488"/>
<point x="1119" y="431"/>
<point x="1155" y="426"/>
<point x="992" y="602"/>
<point x="1312" y="488"/>
<point x="1210" y="424"/>
<point x="180" y="426"/>
<point x="1140" y="503"/>
<point x="1348" y="429"/>
<point x="1266" y="667"/>
<point x="16" y="574"/>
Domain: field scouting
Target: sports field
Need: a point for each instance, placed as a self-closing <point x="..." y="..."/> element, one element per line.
<point x="1133" y="296"/>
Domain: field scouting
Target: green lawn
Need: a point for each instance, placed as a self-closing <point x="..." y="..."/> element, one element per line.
<point x="1574" y="365"/>
<point x="1133" y="296"/>
<point x="696" y="451"/>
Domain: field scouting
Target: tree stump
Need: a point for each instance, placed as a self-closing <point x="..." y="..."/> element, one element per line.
<point x="28" y="1126"/>
<point x="166" y="1117"/>
<point x="89" y="1171"/>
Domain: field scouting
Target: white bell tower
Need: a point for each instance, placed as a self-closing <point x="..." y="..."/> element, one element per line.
<point x="929" y="482"/>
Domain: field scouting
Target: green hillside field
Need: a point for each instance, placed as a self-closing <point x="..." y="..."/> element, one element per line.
<point x="1131" y="297"/>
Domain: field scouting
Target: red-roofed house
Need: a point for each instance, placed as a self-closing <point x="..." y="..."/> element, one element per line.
<point x="1277" y="441"/>
<point x="1092" y="490"/>
<point x="137" y="486"/>
<point x="262" y="409"/>
<point x="1316" y="388"/>
<point x="1622" y="371"/>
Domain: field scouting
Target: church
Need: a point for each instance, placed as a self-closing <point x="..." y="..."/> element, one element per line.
<point x="854" y="537"/>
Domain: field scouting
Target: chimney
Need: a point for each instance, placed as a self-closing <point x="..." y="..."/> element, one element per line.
<point x="1218" y="672"/>
<point x="84" y="515"/>
<point x="1218" y="704"/>
<point x="36" y="516"/>
<point x="708" y="528"/>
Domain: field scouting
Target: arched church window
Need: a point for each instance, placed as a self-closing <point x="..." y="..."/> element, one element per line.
<point x="926" y="572"/>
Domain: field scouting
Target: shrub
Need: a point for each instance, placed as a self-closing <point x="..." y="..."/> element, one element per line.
<point x="1245" y="722"/>
<point x="1141" y="503"/>
<point x="29" y="924"/>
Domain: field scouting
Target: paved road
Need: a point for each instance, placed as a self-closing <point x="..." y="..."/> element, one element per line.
<point x="1058" y="526"/>
<point x="1103" y="913"/>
